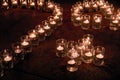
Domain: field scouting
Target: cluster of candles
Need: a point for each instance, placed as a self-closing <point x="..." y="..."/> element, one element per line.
<point x="80" y="51"/>
<point x="96" y="10"/>
<point x="23" y="47"/>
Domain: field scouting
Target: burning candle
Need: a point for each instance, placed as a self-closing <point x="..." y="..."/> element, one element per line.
<point x="17" y="50"/>
<point x="5" y="4"/>
<point x="14" y="2"/>
<point x="86" y="21"/>
<point x="32" y="34"/>
<point x="100" y="56"/>
<point x="88" y="54"/>
<point x="60" y="48"/>
<point x="8" y="58"/>
<point x="46" y="27"/>
<point x="71" y="62"/>
<point x="41" y="30"/>
<point x="116" y="21"/>
<point x="25" y="43"/>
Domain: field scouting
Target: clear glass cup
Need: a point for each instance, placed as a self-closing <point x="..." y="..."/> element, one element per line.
<point x="14" y="3"/>
<point x="86" y="22"/>
<point x="18" y="51"/>
<point x="5" y="4"/>
<point x="97" y="20"/>
<point x="26" y="44"/>
<point x="61" y="47"/>
<point x="24" y="3"/>
<point x="41" y="32"/>
<point x="40" y="4"/>
<point x="87" y="39"/>
<point x="33" y="36"/>
<point x="32" y="4"/>
<point x="99" y="55"/>
<point x="87" y="54"/>
<point x="8" y="61"/>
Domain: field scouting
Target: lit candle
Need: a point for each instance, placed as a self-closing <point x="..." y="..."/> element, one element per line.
<point x="95" y="5"/>
<point x="14" y="2"/>
<point x="100" y="56"/>
<point x="32" y="4"/>
<point x="115" y="21"/>
<point x="5" y="4"/>
<point x="46" y="27"/>
<point x="71" y="62"/>
<point x="52" y="22"/>
<point x="97" y="20"/>
<point x="60" y="48"/>
<point x="32" y="35"/>
<point x="25" y="43"/>
<point x="41" y="30"/>
<point x="88" y="54"/>
<point x="17" y="50"/>
<point x="8" y="58"/>
<point x="86" y="21"/>
<point x="24" y="3"/>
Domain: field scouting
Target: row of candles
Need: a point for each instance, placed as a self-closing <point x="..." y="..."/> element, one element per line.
<point x="100" y="9"/>
<point x="39" y="4"/>
<point x="23" y="47"/>
<point x="80" y="51"/>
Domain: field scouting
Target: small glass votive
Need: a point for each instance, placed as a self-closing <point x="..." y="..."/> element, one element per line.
<point x="47" y="28"/>
<point x="40" y="4"/>
<point x="7" y="59"/>
<point x="26" y="44"/>
<point x="87" y="6"/>
<point x="99" y="55"/>
<point x="114" y="23"/>
<point x="52" y="22"/>
<point x="41" y="32"/>
<point x="86" y="22"/>
<point x="49" y="6"/>
<point x="1" y="67"/>
<point x="72" y="65"/>
<point x="61" y="47"/>
<point x="14" y="3"/>
<point x="33" y="36"/>
<point x="32" y="4"/>
<point x="87" y="39"/>
<point x="5" y="4"/>
<point x="109" y="12"/>
<point x="97" y="20"/>
<point x="94" y="6"/>
<point x="18" y="51"/>
<point x="58" y="19"/>
<point x="77" y="20"/>
<point x="87" y="54"/>
<point x="23" y="3"/>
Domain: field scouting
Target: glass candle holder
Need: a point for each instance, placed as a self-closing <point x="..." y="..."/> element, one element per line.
<point x="97" y="20"/>
<point x="109" y="12"/>
<point x="41" y="32"/>
<point x="23" y="3"/>
<point x="17" y="51"/>
<point x="87" y="39"/>
<point x="47" y="28"/>
<point x="99" y="55"/>
<point x="72" y="65"/>
<point x="94" y="6"/>
<point x="32" y="4"/>
<point x="14" y="3"/>
<point x="1" y="67"/>
<point x="26" y="44"/>
<point x="61" y="47"/>
<point x="49" y="6"/>
<point x="52" y="22"/>
<point x="87" y="54"/>
<point x="114" y="23"/>
<point x="86" y="22"/>
<point x="5" y="4"/>
<point x="33" y="36"/>
<point x="77" y="20"/>
<point x="40" y="4"/>
<point x="87" y="6"/>
<point x="7" y="59"/>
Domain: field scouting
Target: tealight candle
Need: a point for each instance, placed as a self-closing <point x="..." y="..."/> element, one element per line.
<point x="60" y="48"/>
<point x="8" y="58"/>
<point x="25" y="43"/>
<point x="14" y="2"/>
<point x="100" y="56"/>
<point x="88" y="54"/>
<point x="17" y="50"/>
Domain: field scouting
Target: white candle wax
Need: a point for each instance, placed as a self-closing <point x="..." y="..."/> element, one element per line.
<point x="71" y="62"/>
<point x="75" y="54"/>
<point x="56" y="17"/>
<point x="5" y="4"/>
<point x="86" y="21"/>
<point x="60" y="48"/>
<point x="88" y="54"/>
<point x="50" y="6"/>
<point x="14" y="2"/>
<point x="100" y="56"/>
<point x="32" y="35"/>
<point x="95" y="6"/>
<point x="115" y="21"/>
<point x="78" y="18"/>
<point x="40" y="3"/>
<point x="25" y="43"/>
<point x="24" y="2"/>
<point x="97" y="20"/>
<point x="52" y="22"/>
<point x="47" y="27"/>
<point x="41" y="30"/>
<point x="8" y="58"/>
<point x="32" y="4"/>
<point x="17" y="51"/>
